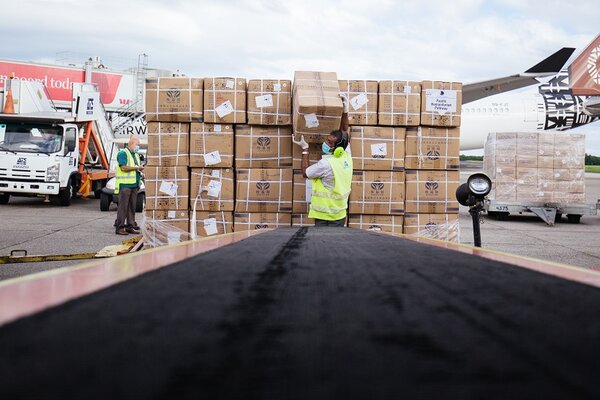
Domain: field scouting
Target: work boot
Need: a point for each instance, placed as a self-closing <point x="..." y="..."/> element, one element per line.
<point x="121" y="232"/>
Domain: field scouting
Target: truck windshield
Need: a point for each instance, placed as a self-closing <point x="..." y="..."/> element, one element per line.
<point x="30" y="138"/>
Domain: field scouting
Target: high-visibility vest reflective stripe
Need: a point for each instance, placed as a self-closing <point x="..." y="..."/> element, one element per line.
<point x="331" y="204"/>
<point x="129" y="177"/>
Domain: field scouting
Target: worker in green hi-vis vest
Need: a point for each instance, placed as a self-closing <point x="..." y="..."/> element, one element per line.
<point x="331" y="176"/>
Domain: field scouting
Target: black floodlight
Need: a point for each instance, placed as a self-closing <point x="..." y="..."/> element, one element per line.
<point x="472" y="195"/>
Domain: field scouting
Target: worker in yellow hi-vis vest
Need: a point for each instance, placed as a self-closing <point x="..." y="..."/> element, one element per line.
<point x="331" y="176"/>
<point x="127" y="185"/>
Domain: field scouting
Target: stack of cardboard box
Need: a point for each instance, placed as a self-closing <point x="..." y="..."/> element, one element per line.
<point x="536" y="167"/>
<point x="263" y="158"/>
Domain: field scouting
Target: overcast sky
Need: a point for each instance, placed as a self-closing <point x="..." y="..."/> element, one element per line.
<point x="465" y="40"/>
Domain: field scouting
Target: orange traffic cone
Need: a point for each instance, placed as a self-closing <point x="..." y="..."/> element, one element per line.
<point x="86" y="188"/>
<point x="9" y="105"/>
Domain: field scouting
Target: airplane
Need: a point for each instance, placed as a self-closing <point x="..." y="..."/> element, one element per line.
<point x="566" y="98"/>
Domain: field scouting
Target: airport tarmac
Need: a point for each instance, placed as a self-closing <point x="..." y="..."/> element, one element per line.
<point x="41" y="228"/>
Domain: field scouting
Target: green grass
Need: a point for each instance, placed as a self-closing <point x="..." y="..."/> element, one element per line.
<point x="592" y="168"/>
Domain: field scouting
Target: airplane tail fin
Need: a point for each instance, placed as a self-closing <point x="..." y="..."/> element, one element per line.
<point x="584" y="72"/>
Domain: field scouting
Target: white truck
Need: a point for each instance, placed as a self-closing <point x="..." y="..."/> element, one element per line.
<point x="50" y="153"/>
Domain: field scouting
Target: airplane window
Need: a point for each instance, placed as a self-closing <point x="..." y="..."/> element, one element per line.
<point x="479" y="110"/>
<point x="495" y="110"/>
<point x="506" y="109"/>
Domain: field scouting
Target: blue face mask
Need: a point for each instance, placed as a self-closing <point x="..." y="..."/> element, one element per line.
<point x="136" y="149"/>
<point x="326" y="149"/>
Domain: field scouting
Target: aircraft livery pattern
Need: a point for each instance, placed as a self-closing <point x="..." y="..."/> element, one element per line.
<point x="563" y="109"/>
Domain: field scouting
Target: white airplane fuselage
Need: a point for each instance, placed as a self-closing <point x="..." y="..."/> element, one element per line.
<point x="550" y="106"/>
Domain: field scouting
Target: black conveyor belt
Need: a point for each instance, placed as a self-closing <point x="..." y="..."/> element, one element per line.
<point x="315" y="314"/>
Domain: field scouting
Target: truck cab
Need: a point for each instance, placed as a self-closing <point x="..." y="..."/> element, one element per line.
<point x="39" y="156"/>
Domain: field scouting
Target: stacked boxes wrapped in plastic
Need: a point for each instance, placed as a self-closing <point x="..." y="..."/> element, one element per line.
<point x="221" y="157"/>
<point x="536" y="167"/>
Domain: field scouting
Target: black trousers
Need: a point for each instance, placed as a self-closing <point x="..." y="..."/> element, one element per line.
<point x="340" y="223"/>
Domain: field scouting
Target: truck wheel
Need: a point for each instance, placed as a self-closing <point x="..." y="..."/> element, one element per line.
<point x="4" y="198"/>
<point x="65" y="195"/>
<point x="141" y="199"/>
<point x="557" y="218"/>
<point x="573" y="218"/>
<point x="104" y="202"/>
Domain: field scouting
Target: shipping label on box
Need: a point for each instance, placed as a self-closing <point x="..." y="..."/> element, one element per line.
<point x="212" y="189"/>
<point x="302" y="193"/>
<point x="433" y="226"/>
<point x="377" y="192"/>
<point x="225" y="100"/>
<point x="441" y="103"/>
<point x="211" y="145"/>
<point x="431" y="191"/>
<point x="432" y="148"/>
<point x="362" y="96"/>
<point x="168" y="144"/>
<point x="377" y="148"/>
<point x="261" y="220"/>
<point x="264" y="190"/>
<point x="302" y="220"/>
<point x="377" y="223"/>
<point x="204" y="224"/>
<point x="269" y="102"/>
<point x="167" y="188"/>
<point x="399" y="103"/>
<point x="263" y="146"/>
<point x="315" y="153"/>
<point x="317" y="107"/>
<point x="165" y="227"/>
<point x="174" y="99"/>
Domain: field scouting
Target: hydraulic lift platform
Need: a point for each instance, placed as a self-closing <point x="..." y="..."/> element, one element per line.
<point x="309" y="313"/>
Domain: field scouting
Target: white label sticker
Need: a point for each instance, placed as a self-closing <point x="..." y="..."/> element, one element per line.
<point x="308" y="193"/>
<point x="277" y="87"/>
<point x="311" y="120"/>
<point x="171" y="214"/>
<point x="440" y="101"/>
<point x="379" y="150"/>
<point x="264" y="101"/>
<point x="173" y="237"/>
<point x="212" y="158"/>
<point x="210" y="226"/>
<point x="214" y="188"/>
<point x="358" y="101"/>
<point x="169" y="188"/>
<point x="407" y="89"/>
<point x="2" y="132"/>
<point x="224" y="109"/>
<point x="217" y="128"/>
<point x="230" y="84"/>
<point x="215" y="173"/>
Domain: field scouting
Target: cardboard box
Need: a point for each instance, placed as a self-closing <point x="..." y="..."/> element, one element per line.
<point x="165" y="227"/>
<point x="302" y="220"/>
<point x="431" y="192"/>
<point x="527" y="161"/>
<point x="527" y="144"/>
<point x="254" y="221"/>
<point x="314" y="155"/>
<point x="377" y="192"/>
<point x="545" y="162"/>
<point x="167" y="188"/>
<point x="225" y="100"/>
<point x="264" y="190"/>
<point x="376" y="148"/>
<point x="432" y="148"/>
<point x="263" y="146"/>
<point x="377" y="223"/>
<point x="441" y="103"/>
<point x="211" y="145"/>
<point x="210" y="223"/>
<point x="504" y="191"/>
<point x="212" y="189"/>
<point x="399" y="103"/>
<point x="174" y="99"/>
<point x="362" y="96"/>
<point x="317" y="105"/>
<point x="269" y="102"/>
<point x="527" y="176"/>
<point x="569" y="150"/>
<point x="168" y="144"/>
<point x="301" y="197"/>
<point x="545" y="144"/>
<point x="433" y="226"/>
